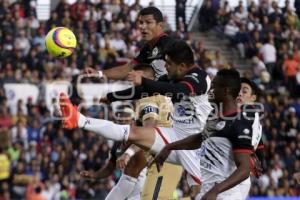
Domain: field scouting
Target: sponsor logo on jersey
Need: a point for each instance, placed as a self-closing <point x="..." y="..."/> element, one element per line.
<point x="220" y="125"/>
<point x="154" y="52"/>
<point x="246" y="131"/>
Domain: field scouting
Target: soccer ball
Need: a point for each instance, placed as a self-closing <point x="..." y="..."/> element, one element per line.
<point x="60" y="42"/>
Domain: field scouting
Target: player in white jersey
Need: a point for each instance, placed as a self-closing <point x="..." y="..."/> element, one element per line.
<point x="188" y="92"/>
<point x="225" y="154"/>
<point x="246" y="99"/>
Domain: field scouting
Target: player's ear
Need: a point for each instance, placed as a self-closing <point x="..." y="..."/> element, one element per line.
<point x="253" y="97"/>
<point x="161" y="25"/>
<point x="183" y="67"/>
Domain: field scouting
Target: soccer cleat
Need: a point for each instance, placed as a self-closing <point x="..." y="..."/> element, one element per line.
<point x="69" y="112"/>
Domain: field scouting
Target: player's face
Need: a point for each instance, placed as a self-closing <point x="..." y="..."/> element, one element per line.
<point x="150" y="122"/>
<point x="149" y="28"/>
<point x="245" y="95"/>
<point x="216" y="92"/>
<point x="172" y="68"/>
<point x="123" y="119"/>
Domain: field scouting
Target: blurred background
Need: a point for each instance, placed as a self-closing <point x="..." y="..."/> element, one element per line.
<point x="40" y="160"/>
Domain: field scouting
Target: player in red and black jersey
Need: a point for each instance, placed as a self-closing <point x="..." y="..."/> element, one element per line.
<point x="123" y="116"/>
<point x="225" y="154"/>
<point x="151" y="26"/>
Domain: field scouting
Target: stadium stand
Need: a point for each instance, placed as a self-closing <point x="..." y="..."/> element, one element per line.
<point x="43" y="162"/>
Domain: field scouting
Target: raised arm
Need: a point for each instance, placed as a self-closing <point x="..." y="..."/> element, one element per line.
<point x="118" y="73"/>
<point x="189" y="143"/>
<point x="104" y="172"/>
<point x="241" y="173"/>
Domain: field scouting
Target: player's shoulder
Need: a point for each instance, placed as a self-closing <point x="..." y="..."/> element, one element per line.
<point x="250" y="111"/>
<point x="197" y="74"/>
<point x="242" y="124"/>
<point x="164" y="41"/>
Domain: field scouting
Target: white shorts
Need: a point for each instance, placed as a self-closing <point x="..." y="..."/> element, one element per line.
<point x="138" y="188"/>
<point x="245" y="187"/>
<point x="231" y="194"/>
<point x="189" y="159"/>
<point x="210" y="180"/>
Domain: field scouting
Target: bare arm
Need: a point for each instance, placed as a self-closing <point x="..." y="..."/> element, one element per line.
<point x="104" y="172"/>
<point x="242" y="161"/>
<point x="189" y="143"/>
<point x="119" y="72"/>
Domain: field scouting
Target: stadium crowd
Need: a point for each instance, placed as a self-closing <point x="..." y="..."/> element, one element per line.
<point x="270" y="36"/>
<point x="45" y="160"/>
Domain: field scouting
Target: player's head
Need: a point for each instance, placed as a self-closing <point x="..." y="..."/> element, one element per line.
<point x="150" y="23"/>
<point x="225" y="86"/>
<point x="248" y="93"/>
<point x="124" y="115"/>
<point x="155" y="111"/>
<point x="179" y="59"/>
<point x="147" y="69"/>
<point x="149" y="115"/>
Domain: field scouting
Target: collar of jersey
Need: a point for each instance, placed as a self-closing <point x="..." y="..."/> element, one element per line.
<point x="230" y="113"/>
<point x="153" y="42"/>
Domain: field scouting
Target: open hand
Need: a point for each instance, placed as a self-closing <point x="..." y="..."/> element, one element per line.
<point x="122" y="161"/>
<point x="90" y="72"/>
<point x="135" y="77"/>
<point x="87" y="175"/>
<point x="161" y="157"/>
<point x="210" y="195"/>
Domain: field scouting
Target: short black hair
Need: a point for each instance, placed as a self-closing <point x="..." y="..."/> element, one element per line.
<point x="151" y="10"/>
<point x="180" y="52"/>
<point x="230" y="78"/>
<point x="254" y="88"/>
<point x="143" y="67"/>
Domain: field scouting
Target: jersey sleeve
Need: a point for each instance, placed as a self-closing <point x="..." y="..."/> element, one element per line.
<point x="197" y="83"/>
<point x="241" y="138"/>
<point x="127" y="94"/>
<point x="141" y="57"/>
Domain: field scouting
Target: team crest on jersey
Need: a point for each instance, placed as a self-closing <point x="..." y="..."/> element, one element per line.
<point x="180" y="111"/>
<point x="220" y="125"/>
<point x="246" y="131"/>
<point x="154" y="52"/>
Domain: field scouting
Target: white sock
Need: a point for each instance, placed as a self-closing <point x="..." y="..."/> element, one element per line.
<point x="123" y="188"/>
<point x="137" y="190"/>
<point x="104" y="128"/>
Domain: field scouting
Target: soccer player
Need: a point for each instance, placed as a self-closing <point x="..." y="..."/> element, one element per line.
<point x="247" y="98"/>
<point x="225" y="154"/>
<point x="123" y="116"/>
<point x="188" y="91"/>
<point x="150" y="114"/>
<point x="151" y="25"/>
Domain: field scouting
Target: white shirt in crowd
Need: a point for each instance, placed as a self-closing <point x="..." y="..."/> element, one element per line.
<point x="268" y="53"/>
<point x="231" y="29"/>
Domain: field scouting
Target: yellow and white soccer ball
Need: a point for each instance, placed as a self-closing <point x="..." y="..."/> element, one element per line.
<point x="60" y="42"/>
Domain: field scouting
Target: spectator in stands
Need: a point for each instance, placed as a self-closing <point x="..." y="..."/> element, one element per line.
<point x="207" y="16"/>
<point x="180" y="9"/>
<point x="268" y="54"/>
<point x="4" y="174"/>
<point x="290" y="70"/>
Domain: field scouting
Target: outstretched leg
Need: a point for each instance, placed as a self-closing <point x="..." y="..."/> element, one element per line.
<point x="141" y="136"/>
